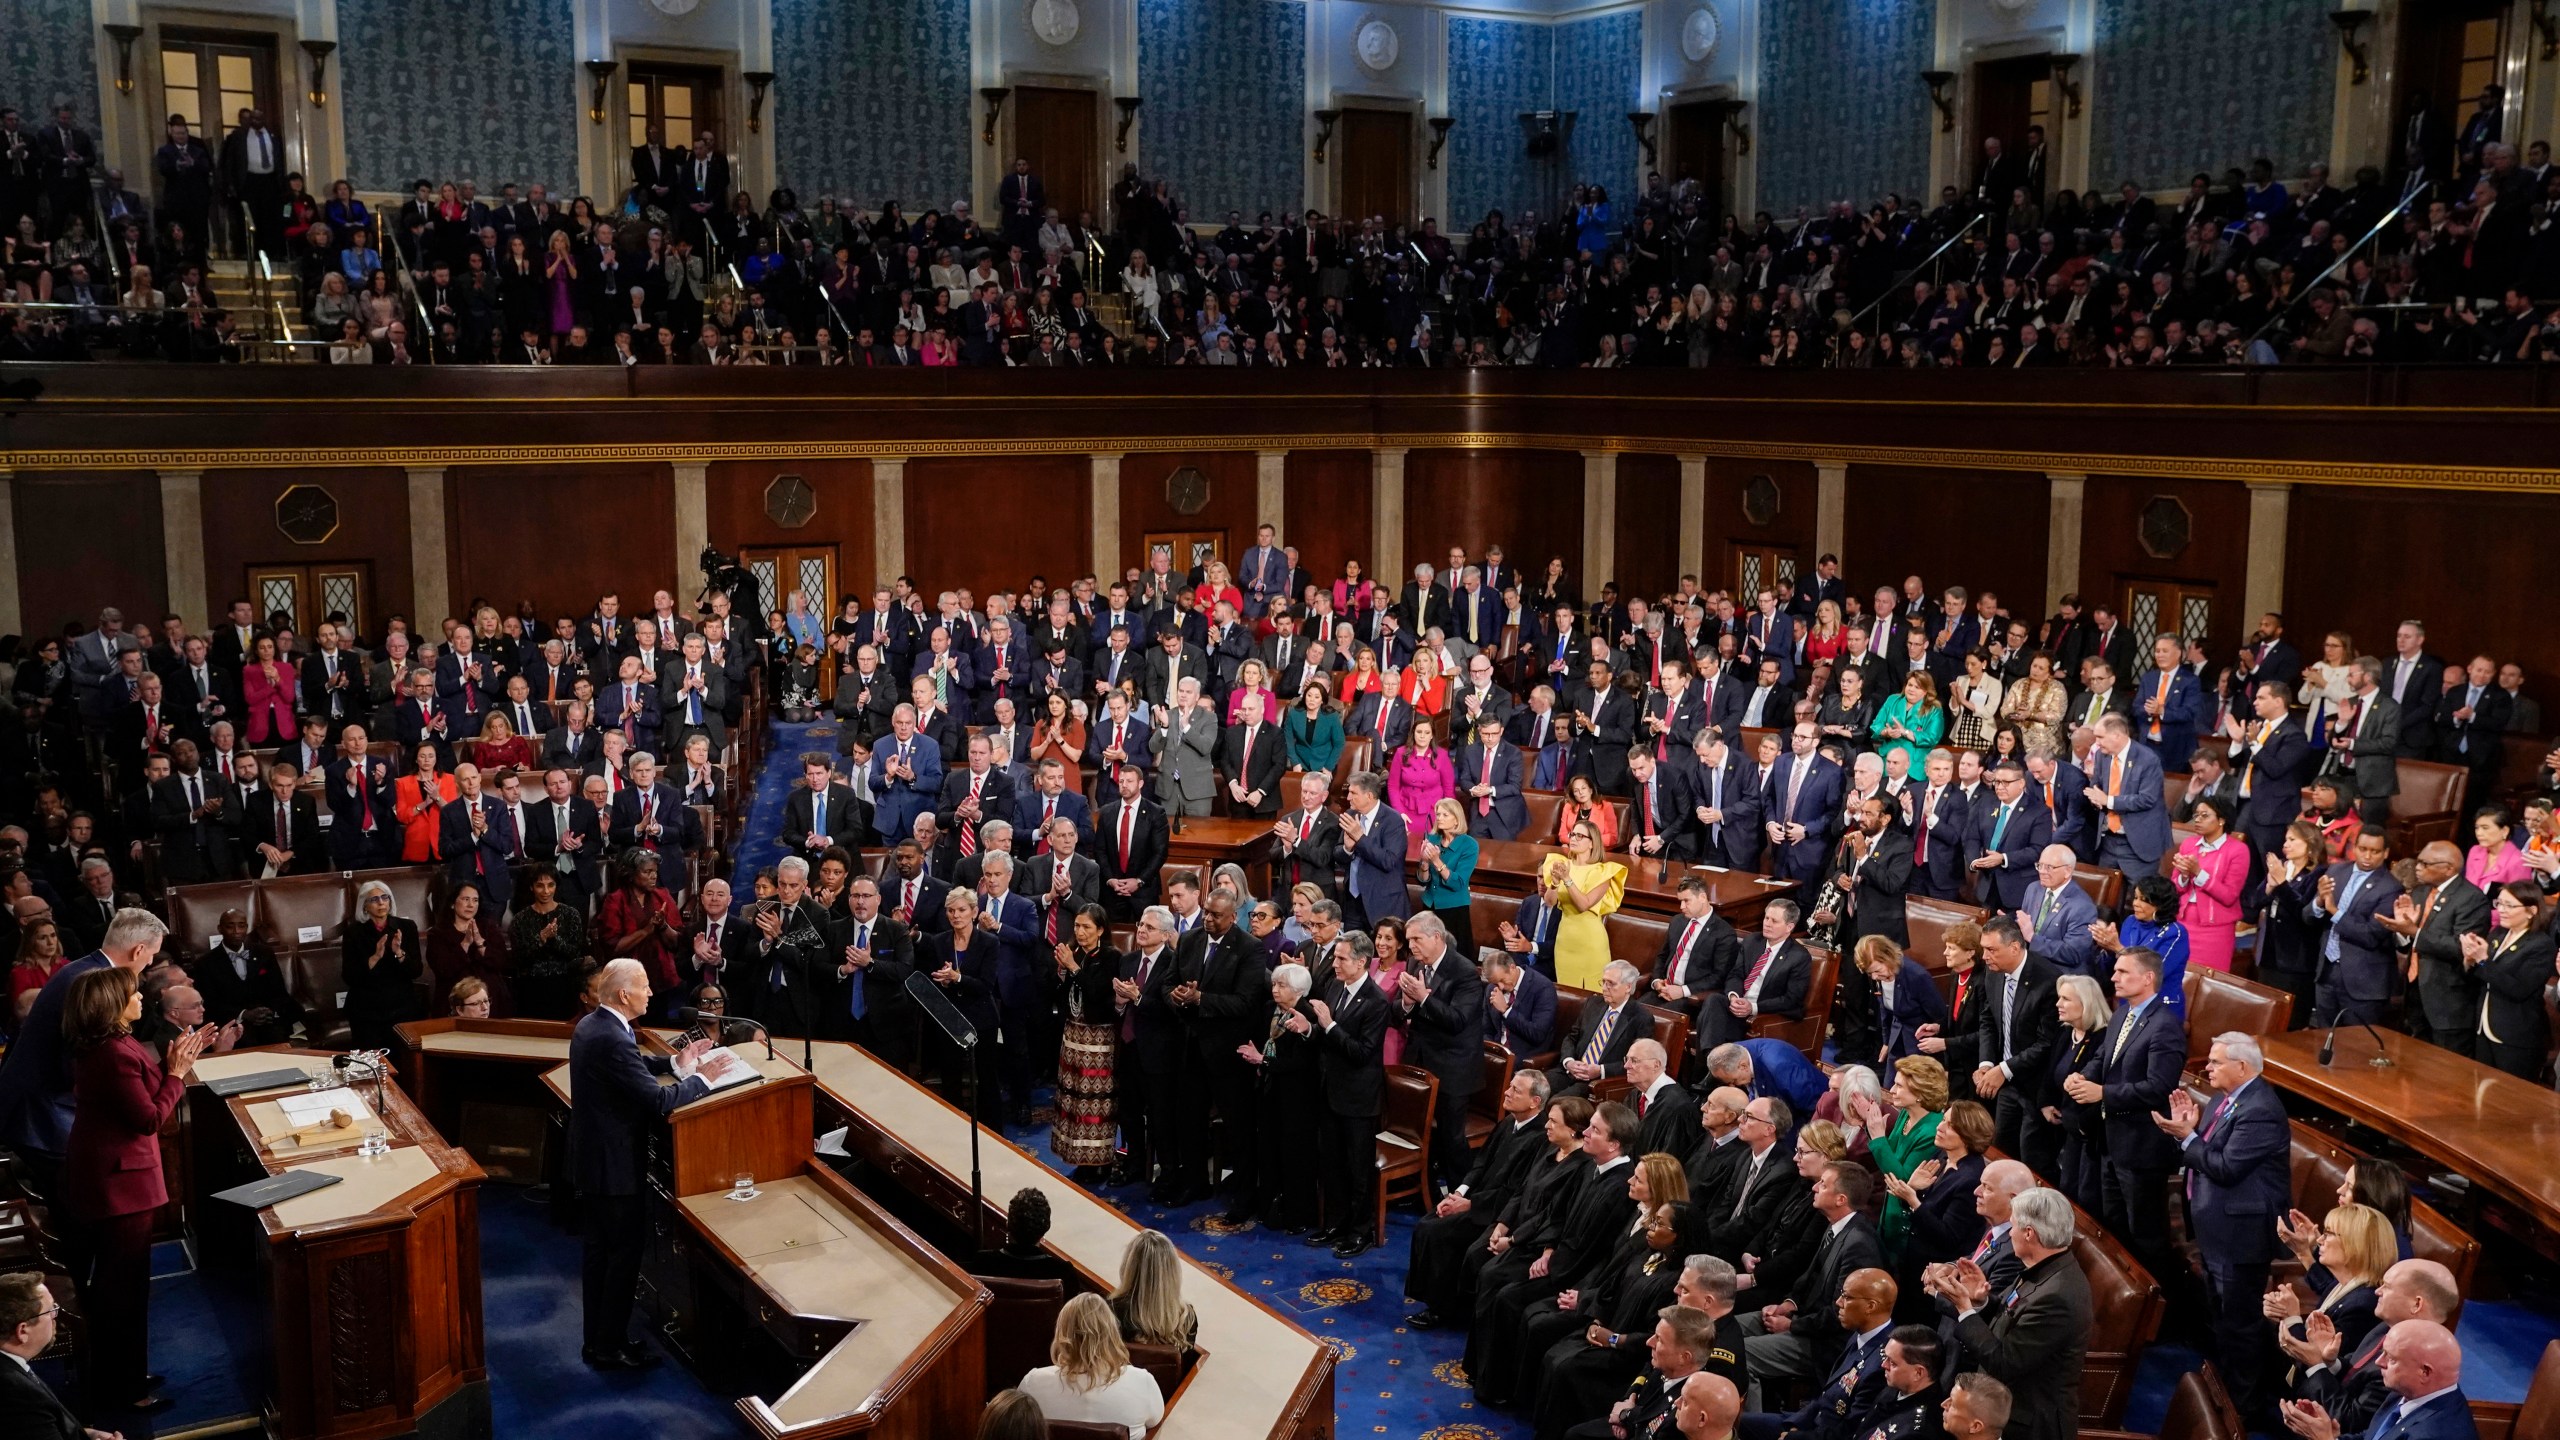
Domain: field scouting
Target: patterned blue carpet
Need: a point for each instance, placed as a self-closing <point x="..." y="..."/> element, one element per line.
<point x="1391" y="1381"/>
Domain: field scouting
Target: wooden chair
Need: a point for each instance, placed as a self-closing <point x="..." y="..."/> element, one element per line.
<point x="2429" y="804"/>
<point x="2199" y="1409"/>
<point x="1021" y="1321"/>
<point x="2102" y="885"/>
<point x="2537" y="1417"/>
<point x="1484" y="1108"/>
<point x="2218" y="1004"/>
<point x="1404" y="1139"/>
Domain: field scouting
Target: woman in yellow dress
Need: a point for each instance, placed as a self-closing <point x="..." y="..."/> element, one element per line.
<point x="1585" y="887"/>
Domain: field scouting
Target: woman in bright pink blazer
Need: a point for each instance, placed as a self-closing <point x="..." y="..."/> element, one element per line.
<point x="2210" y="870"/>
<point x="269" y="685"/>
<point x="1419" y="776"/>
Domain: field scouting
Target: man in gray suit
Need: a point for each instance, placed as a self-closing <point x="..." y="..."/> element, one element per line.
<point x="1185" y="742"/>
<point x="2363" y="738"/>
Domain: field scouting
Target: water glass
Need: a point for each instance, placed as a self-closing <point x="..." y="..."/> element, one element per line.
<point x="744" y="1186"/>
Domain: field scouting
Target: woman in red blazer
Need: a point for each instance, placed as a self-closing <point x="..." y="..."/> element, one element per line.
<point x="111" y="1180"/>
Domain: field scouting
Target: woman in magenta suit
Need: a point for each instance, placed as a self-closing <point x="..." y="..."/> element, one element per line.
<point x="268" y="684"/>
<point x="111" y="1181"/>
<point x="2210" y="870"/>
<point x="1419" y="776"/>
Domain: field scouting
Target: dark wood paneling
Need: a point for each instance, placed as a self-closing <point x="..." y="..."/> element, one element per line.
<point x="561" y="536"/>
<point x="1648" y="540"/>
<point x="1978" y="529"/>
<point x="2472" y="561"/>
<point x="1054" y="129"/>
<point x="845" y="515"/>
<point x="1529" y="502"/>
<point x="87" y="541"/>
<point x="1329" y="503"/>
<point x="1376" y="147"/>
<point x="373" y="526"/>
<point x="991" y="524"/>
<point x="1233" y="509"/>
<point x="1728" y="527"/>
<point x="2217" y="554"/>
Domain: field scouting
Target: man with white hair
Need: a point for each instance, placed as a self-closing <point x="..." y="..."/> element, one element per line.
<point x="1185" y="742"/>
<point x="35" y="1076"/>
<point x="794" y="958"/>
<point x="1611" y="1021"/>
<point x="618" y="1099"/>
<point x="1995" y="1197"/>
<point x="2038" y="1339"/>
<point x="2238" y="1159"/>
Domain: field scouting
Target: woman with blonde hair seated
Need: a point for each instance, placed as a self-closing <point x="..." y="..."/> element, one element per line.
<point x="469" y="999"/>
<point x="1149" y="1301"/>
<point x="499" y="746"/>
<point x="1089" y="1377"/>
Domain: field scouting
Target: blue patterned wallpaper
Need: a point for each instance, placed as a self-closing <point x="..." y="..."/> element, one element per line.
<point x="1497" y="68"/>
<point x="48" y="52"/>
<point x="872" y="100"/>
<point x="1225" y="81"/>
<point x="2183" y="86"/>
<point x="1841" y="114"/>
<point x="451" y="89"/>
<point x="1598" y="73"/>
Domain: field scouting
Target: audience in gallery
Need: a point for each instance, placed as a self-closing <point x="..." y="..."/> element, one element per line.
<point x="1217" y="1012"/>
<point x="2005" y="270"/>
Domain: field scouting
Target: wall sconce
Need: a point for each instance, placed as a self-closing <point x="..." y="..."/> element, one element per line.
<point x="124" y="35"/>
<point x="1440" y="127"/>
<point x="1325" y="121"/>
<point x="994" y="96"/>
<point x="1642" y="121"/>
<point x="2348" y="23"/>
<point x="599" y="71"/>
<point x="1128" y="116"/>
<point x="756" y="80"/>
<point x="319" y="51"/>
<point x="2062" y="81"/>
<point x="2548" y="27"/>
<point x="1938" y="81"/>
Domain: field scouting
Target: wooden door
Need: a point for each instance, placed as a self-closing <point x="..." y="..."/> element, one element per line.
<point x="1057" y="131"/>
<point x="209" y="77"/>
<point x="809" y="569"/>
<point x="2451" y="51"/>
<point x="1757" y="565"/>
<point x="339" y="590"/>
<point x="681" y="101"/>
<point x="1375" y="151"/>
<point x="2154" y="606"/>
<point x="2009" y="96"/>
<point x="1697" y="153"/>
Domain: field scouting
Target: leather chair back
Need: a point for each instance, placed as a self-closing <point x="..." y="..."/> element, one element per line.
<point x="195" y="911"/>
<point x="1806" y="1034"/>
<point x="1168" y="1363"/>
<point x="1021" y="1321"/>
<point x="1928" y="921"/>
<point x="1636" y="936"/>
<point x="2429" y="801"/>
<point x="2538" y="1416"/>
<point x="414" y="890"/>
<point x="1544" y="807"/>
<point x="2201" y="1409"/>
<point x="1484" y="1108"/>
<point x="2103" y="885"/>
<point x="1084" y="1429"/>
<point x="2218" y="1003"/>
<point x="2124" y="1316"/>
<point x="295" y="911"/>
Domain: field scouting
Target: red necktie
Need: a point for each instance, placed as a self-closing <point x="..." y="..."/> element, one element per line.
<point x="1484" y="804"/>
<point x="1048" y="812"/>
<point x="1759" y="968"/>
<point x="1128" y="825"/>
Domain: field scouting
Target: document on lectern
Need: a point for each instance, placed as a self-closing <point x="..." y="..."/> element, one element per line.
<point x="721" y="1068"/>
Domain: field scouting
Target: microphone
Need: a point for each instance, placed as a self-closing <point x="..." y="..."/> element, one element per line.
<point x="727" y="1026"/>
<point x="2329" y="1047"/>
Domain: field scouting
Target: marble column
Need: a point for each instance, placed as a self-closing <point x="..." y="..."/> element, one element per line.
<point x="1693" y="516"/>
<point x="1106" y="514"/>
<point x="2065" y="495"/>
<point x="1386" y="517"/>
<point x="1830" y="502"/>
<point x="430" y="565"/>
<point x="693" y="520"/>
<point x="1271" y="492"/>
<point x="1599" y="518"/>
<point x="10" y="620"/>
<point x="182" y="549"/>
<point x="888" y="519"/>
<point x="2270" y="508"/>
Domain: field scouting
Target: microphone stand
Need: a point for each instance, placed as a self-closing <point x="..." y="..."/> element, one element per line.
<point x="2329" y="1048"/>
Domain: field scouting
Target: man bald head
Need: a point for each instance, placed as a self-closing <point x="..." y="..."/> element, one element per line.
<point x="2418" y="1290"/>
<point x="2002" y="1182"/>
<point x="1724" y="1108"/>
<point x="2420" y="1357"/>
<point x="1707" y="1408"/>
<point x="1866" y="1300"/>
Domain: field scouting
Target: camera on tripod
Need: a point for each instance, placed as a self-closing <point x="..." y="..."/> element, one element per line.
<point x="723" y="575"/>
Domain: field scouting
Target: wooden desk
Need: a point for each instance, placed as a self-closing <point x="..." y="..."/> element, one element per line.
<point x="1259" y="1377"/>
<point x="373" y="1284"/>
<point x="2498" y="1131"/>
<point x="1209" y="841"/>
<point x="479" y="1063"/>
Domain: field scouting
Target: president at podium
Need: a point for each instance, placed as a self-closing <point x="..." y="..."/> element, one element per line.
<point x="615" y="1098"/>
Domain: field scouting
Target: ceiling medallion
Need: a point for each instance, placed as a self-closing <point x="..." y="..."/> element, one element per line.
<point x="306" y="514"/>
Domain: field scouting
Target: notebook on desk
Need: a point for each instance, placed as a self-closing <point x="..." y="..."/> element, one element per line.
<point x="732" y="1067"/>
<point x="231" y="1085"/>
<point x="275" y="1189"/>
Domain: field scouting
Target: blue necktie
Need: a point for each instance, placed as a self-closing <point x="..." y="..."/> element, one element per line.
<point x="2346" y="897"/>
<point x="861" y="1002"/>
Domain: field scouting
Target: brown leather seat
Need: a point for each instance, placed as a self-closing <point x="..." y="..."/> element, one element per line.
<point x="2218" y="1003"/>
<point x="2101" y="884"/>
<point x="1544" y="806"/>
<point x="298" y="911"/>
<point x="2428" y="804"/>
<point x="1083" y="1429"/>
<point x="2537" y="1417"/>
<point x="414" y="890"/>
<point x="1636" y="937"/>
<point x="195" y="911"/>
<point x="1806" y="1034"/>
<point x="1021" y="1321"/>
<point x="1168" y="1363"/>
<point x="1484" y="1108"/>
<point x="2124" y="1317"/>
<point x="2320" y="1164"/>
<point x="2199" y="1409"/>
<point x="1404" y="1163"/>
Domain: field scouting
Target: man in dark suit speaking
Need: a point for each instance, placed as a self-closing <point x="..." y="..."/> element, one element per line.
<point x="617" y="1098"/>
<point x="28" y="1407"/>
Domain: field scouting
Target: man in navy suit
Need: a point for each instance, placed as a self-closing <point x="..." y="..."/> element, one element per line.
<point x="2132" y="820"/>
<point x="2017" y="1032"/>
<point x="2168" y="704"/>
<point x="1658" y="811"/>
<point x="1720" y="822"/>
<point x="1519" y="1005"/>
<point x="906" y="775"/>
<point x="462" y="685"/>
<point x="618" y="1100"/>
<point x="1489" y="779"/>
<point x="480" y="840"/>
<point x="974" y="795"/>
<point x="1769" y="976"/>
<point x="650" y="813"/>
<point x="575" y="744"/>
<point x="1373" y="877"/>
<point x="629" y="705"/>
<point x="2059" y="787"/>
<point x="1529" y="936"/>
<point x="2422" y="1368"/>
<point x="563" y="831"/>
<point x="1022" y="969"/>
<point x="2238" y="1159"/>
<point x="1802" y="806"/>
<point x="359" y="787"/>
<point x="2353" y="973"/>
<point x="2056" y="914"/>
<point x="1940" y="820"/>
<point x="1439" y="1005"/>
<point x="2007" y="836"/>
<point x="1049" y="799"/>
<point x="2272" y="757"/>
<point x="2145" y="1048"/>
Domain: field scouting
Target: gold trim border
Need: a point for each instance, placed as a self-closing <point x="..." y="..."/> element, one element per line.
<point x="2038" y="462"/>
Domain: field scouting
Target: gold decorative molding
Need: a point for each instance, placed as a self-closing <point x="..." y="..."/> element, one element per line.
<point x="2034" y="462"/>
